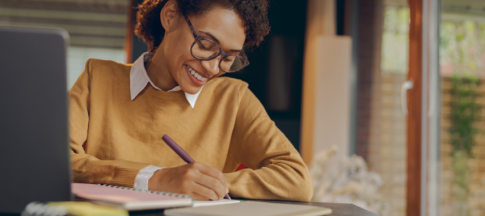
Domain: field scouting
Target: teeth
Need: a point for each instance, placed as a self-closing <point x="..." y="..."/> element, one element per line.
<point x="196" y="75"/>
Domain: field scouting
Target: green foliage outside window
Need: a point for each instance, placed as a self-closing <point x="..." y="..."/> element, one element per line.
<point x="461" y="48"/>
<point x="464" y="113"/>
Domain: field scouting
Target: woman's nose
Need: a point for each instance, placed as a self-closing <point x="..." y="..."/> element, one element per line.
<point x="212" y="66"/>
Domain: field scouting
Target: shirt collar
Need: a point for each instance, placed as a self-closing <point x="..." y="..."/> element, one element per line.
<point x="139" y="79"/>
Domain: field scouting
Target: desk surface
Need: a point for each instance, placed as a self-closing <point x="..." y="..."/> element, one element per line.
<point x="337" y="209"/>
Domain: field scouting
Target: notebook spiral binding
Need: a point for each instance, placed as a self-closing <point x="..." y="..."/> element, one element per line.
<point x="150" y="191"/>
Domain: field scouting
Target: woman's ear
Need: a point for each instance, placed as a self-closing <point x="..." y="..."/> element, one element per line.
<point x="169" y="15"/>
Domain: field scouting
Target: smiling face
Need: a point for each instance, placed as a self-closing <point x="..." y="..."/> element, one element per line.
<point x="173" y="61"/>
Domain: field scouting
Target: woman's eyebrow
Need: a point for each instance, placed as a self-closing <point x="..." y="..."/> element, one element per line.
<point x="212" y="36"/>
<point x="217" y="41"/>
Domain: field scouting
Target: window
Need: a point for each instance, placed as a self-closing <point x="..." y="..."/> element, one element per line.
<point x="97" y="28"/>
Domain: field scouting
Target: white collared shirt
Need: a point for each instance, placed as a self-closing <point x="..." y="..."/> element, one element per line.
<point x="138" y="81"/>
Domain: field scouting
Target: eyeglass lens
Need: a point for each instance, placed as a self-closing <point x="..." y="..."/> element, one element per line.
<point x="205" y="49"/>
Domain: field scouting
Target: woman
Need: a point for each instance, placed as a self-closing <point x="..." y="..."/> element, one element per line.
<point x="118" y="113"/>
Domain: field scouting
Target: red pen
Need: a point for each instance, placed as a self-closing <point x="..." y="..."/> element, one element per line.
<point x="180" y="152"/>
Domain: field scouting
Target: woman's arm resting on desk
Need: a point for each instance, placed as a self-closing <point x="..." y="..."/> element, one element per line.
<point x="276" y="168"/>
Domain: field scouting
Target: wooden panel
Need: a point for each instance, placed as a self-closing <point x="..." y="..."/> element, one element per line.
<point x="332" y="95"/>
<point x="315" y="27"/>
<point x="413" y="189"/>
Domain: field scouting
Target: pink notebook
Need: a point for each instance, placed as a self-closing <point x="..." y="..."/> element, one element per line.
<point x="129" y="198"/>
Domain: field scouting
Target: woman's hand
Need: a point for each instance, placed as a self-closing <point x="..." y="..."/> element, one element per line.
<point x="200" y="180"/>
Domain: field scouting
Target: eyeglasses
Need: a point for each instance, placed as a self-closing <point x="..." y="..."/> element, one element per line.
<point x="205" y="49"/>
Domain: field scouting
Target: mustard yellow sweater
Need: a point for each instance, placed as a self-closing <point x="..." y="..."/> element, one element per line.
<point x="228" y="126"/>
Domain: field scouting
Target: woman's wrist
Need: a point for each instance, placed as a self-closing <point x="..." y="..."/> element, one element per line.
<point x="155" y="180"/>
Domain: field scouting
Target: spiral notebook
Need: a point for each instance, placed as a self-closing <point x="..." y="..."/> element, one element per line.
<point x="129" y="198"/>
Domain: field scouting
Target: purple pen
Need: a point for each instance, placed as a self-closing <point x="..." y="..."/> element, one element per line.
<point x="181" y="153"/>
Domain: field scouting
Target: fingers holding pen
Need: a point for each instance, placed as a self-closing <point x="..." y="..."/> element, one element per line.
<point x="212" y="185"/>
<point x="190" y="179"/>
<point x="209" y="177"/>
<point x="213" y="172"/>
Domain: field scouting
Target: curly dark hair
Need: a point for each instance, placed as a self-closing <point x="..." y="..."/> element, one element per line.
<point x="254" y="14"/>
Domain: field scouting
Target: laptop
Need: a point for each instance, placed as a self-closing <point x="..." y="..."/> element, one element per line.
<point x="34" y="141"/>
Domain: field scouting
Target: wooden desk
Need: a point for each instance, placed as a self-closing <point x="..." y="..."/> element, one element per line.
<point x="337" y="209"/>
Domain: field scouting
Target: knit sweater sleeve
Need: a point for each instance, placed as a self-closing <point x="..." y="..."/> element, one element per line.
<point x="87" y="168"/>
<point x="276" y="169"/>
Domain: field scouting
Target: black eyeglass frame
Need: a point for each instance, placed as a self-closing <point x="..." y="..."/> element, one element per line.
<point x="215" y="55"/>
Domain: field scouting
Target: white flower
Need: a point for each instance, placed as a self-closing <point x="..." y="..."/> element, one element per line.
<point x="347" y="181"/>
